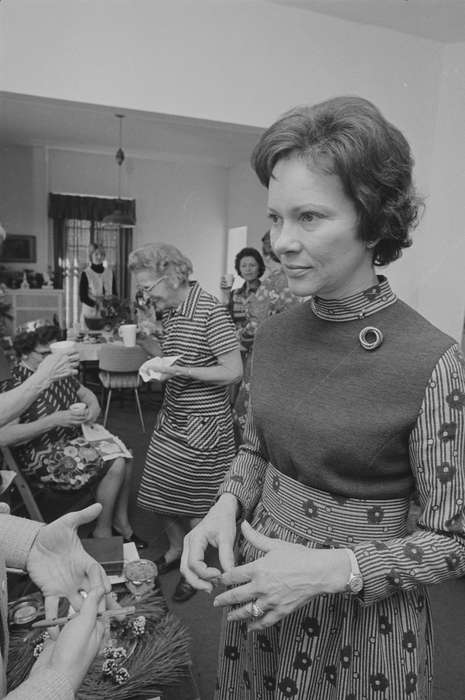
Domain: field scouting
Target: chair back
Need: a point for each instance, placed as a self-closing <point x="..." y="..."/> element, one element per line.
<point x="22" y="486"/>
<point x="114" y="357"/>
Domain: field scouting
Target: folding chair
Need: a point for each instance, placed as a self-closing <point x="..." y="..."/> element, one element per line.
<point x="22" y="486"/>
<point x="119" y="369"/>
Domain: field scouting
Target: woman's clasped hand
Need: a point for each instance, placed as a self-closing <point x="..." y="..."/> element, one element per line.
<point x="283" y="578"/>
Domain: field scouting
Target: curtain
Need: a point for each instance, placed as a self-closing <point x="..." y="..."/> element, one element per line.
<point x="75" y="206"/>
<point x="77" y="223"/>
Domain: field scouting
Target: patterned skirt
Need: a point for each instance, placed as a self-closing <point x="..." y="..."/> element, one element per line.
<point x="67" y="465"/>
<point x="333" y="648"/>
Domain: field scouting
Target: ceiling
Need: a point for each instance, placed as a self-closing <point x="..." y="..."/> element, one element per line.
<point x="29" y="120"/>
<point x="441" y="20"/>
<point x="36" y="121"/>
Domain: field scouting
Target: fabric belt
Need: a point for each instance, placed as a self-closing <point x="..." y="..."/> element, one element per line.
<point x="330" y="520"/>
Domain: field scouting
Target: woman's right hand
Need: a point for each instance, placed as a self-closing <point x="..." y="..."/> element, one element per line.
<point x="56" y="366"/>
<point x="226" y="282"/>
<point x="67" y="419"/>
<point x="218" y="528"/>
<point x="77" y="645"/>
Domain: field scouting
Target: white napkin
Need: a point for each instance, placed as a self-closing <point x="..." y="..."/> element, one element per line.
<point x="153" y="369"/>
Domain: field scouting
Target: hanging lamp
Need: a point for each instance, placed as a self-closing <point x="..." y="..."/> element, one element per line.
<point x="118" y="217"/>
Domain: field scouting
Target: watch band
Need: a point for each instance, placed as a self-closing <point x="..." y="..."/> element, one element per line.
<point x="355" y="583"/>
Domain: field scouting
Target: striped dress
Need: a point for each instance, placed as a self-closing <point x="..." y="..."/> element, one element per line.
<point x="334" y="447"/>
<point x="192" y="445"/>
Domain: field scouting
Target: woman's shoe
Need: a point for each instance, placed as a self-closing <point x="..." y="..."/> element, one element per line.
<point x="164" y="566"/>
<point x="183" y="591"/>
<point x="140" y="543"/>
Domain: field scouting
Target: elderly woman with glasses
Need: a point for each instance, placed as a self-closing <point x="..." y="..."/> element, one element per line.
<point x="48" y="444"/>
<point x="192" y="445"/>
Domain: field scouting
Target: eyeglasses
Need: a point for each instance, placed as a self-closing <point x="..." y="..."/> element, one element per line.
<point x="147" y="290"/>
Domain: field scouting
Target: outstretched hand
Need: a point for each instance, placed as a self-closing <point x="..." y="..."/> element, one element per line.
<point x="59" y="564"/>
<point x="283" y="580"/>
<point x="76" y="646"/>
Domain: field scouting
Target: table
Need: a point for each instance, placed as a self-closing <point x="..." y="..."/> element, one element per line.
<point x="89" y="350"/>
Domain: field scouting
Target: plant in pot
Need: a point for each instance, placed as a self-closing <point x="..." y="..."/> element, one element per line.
<point x="115" y="311"/>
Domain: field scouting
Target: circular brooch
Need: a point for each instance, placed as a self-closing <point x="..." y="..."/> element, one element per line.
<point x="370" y="338"/>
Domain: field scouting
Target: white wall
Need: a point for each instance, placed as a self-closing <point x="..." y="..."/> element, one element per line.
<point x="23" y="199"/>
<point x="183" y="203"/>
<point x="247" y="203"/>
<point x="441" y="279"/>
<point x="180" y="203"/>
<point x="246" y="61"/>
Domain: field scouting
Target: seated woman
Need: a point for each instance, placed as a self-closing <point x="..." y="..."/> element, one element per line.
<point x="48" y="442"/>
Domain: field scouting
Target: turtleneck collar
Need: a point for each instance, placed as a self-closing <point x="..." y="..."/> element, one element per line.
<point x="97" y="268"/>
<point x="356" y="306"/>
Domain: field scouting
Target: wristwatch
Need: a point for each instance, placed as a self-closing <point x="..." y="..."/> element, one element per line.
<point x="355" y="583"/>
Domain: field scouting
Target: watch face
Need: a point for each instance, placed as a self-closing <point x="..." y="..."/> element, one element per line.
<point x="356" y="584"/>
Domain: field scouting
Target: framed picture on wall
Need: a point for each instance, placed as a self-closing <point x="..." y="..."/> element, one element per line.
<point x="18" y="248"/>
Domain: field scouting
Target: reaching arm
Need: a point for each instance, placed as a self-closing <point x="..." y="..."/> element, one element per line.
<point x="16" y="433"/>
<point x="16" y="400"/>
<point x="228" y="370"/>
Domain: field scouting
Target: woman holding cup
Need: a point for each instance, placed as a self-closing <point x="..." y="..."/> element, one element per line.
<point x="47" y="439"/>
<point x="250" y="266"/>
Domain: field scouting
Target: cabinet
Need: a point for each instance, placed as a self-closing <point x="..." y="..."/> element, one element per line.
<point x="33" y="304"/>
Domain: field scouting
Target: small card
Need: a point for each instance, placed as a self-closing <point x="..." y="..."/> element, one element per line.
<point x="107" y="445"/>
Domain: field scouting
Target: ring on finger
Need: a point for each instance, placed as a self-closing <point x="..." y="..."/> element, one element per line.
<point x="254" y="609"/>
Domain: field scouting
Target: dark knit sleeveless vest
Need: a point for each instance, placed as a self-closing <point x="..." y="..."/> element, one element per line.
<point x="335" y="416"/>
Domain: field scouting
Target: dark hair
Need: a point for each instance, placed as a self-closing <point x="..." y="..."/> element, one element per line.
<point x="350" y="138"/>
<point x="249" y="253"/>
<point x="26" y="341"/>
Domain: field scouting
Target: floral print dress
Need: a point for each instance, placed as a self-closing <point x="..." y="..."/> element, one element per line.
<point x="60" y="458"/>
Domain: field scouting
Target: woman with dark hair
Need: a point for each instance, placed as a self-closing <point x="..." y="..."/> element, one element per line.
<point x="272" y="297"/>
<point x="357" y="401"/>
<point x="250" y="266"/>
<point x="48" y="444"/>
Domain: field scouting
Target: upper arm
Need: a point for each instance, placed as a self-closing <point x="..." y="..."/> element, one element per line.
<point x="231" y="361"/>
<point x="221" y="332"/>
<point x="437" y="443"/>
<point x="86" y="394"/>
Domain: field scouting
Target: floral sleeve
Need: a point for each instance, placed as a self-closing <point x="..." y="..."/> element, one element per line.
<point x="246" y="475"/>
<point x="435" y="551"/>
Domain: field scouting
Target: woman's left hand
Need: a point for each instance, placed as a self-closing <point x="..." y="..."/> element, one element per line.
<point x="283" y="580"/>
<point x="93" y="412"/>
